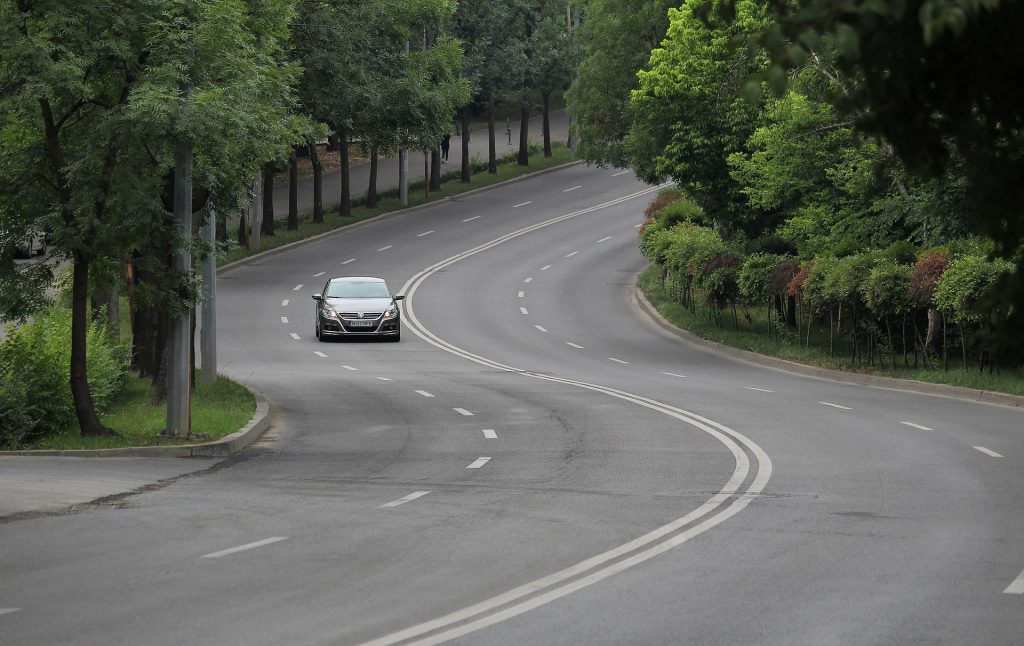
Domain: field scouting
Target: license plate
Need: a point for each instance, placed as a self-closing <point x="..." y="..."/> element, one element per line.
<point x="361" y="323"/>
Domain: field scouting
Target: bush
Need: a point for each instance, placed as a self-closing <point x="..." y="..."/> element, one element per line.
<point x="35" y="372"/>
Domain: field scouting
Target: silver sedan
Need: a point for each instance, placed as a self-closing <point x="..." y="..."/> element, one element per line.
<point x="357" y="306"/>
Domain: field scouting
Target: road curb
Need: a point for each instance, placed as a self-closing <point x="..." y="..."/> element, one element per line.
<point x="223" y="447"/>
<point x="385" y="216"/>
<point x="889" y="383"/>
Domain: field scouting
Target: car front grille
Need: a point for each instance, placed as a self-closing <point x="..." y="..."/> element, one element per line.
<point x="365" y="315"/>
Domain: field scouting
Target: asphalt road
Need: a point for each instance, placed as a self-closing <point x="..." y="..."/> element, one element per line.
<point x="537" y="463"/>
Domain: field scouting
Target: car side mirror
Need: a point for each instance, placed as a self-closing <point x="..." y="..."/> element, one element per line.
<point x="317" y="297"/>
<point x="398" y="298"/>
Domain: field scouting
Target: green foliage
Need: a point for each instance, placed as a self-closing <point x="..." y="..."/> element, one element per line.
<point x="755" y="275"/>
<point x="968" y="281"/>
<point x="35" y="396"/>
<point x="886" y="289"/>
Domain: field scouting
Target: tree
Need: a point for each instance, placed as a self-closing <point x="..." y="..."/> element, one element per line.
<point x="552" y="50"/>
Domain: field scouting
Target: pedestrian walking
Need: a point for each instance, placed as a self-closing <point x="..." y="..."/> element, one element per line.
<point x="446" y="142"/>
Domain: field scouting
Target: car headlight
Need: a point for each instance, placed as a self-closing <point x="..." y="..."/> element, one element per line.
<point x="329" y="312"/>
<point x="391" y="312"/>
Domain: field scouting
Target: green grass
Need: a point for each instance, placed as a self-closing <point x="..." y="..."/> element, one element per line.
<point x="218" y="409"/>
<point x="389" y="202"/>
<point x="788" y="346"/>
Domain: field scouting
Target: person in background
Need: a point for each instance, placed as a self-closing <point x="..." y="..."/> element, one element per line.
<point x="446" y="142"/>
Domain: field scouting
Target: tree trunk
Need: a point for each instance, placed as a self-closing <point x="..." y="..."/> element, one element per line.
<point x="892" y="346"/>
<point x="464" y="127"/>
<point x="933" y="328"/>
<point x="435" y="169"/>
<point x="547" y="124"/>
<point x="318" y="184"/>
<point x="492" y="146"/>
<point x="243" y="228"/>
<point x="945" y="355"/>
<point x="222" y="227"/>
<point x="524" y="135"/>
<point x="345" y="205"/>
<point x="963" y="346"/>
<point x="88" y="421"/>
<point x="293" y="192"/>
<point x="267" y="226"/>
<point x="371" y="189"/>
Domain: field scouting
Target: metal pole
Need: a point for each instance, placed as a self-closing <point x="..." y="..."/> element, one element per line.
<point x="208" y="338"/>
<point x="179" y="422"/>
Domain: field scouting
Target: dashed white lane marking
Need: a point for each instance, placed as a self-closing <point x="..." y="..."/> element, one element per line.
<point x="760" y="390"/>
<point x="405" y="499"/>
<point x="617" y="360"/>
<point x="320" y="354"/>
<point x="672" y="374"/>
<point x="541" y="328"/>
<point x="835" y="406"/>
<point x="570" y="255"/>
<point x="390" y="246"/>
<point x="319" y="275"/>
<point x="479" y="462"/>
<point x="7" y="611"/>
<point x="490" y="434"/>
<point x="242" y="548"/>
<point x="524" y="310"/>
<point x="571" y="189"/>
<point x="637" y="226"/>
<point x="545" y="267"/>
<point x="1017" y="587"/>
<point x="383" y="378"/>
<point x="284" y="303"/>
<point x="295" y="336"/>
<point x="463" y="411"/>
<point x="297" y="288"/>
<point x="917" y="426"/>
<point x="528" y="280"/>
<point x="604" y="239"/>
<point x="988" y="452"/>
<point x="578" y="347"/>
<point x="424" y="393"/>
<point x="620" y="173"/>
<point x="523" y="204"/>
<point x="353" y="369"/>
<point x="284" y="319"/>
<point x="425" y="233"/>
<point x="521" y="294"/>
<point x="350" y="260"/>
<point x="475" y="217"/>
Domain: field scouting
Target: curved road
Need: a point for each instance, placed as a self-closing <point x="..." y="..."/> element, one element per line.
<point x="538" y="463"/>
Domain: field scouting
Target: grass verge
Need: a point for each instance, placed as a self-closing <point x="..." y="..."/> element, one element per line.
<point x="789" y="347"/>
<point x="218" y="409"/>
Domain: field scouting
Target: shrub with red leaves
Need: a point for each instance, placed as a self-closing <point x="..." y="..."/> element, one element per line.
<point x="663" y="199"/>
<point x="795" y="285"/>
<point x="778" y="283"/>
<point x="925" y="276"/>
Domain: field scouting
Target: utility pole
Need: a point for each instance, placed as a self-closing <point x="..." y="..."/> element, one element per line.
<point x="403" y="163"/>
<point x="179" y="391"/>
<point x="208" y="332"/>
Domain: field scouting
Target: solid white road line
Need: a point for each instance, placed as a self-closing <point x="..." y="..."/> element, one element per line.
<point x="524" y="310"/>
<point x="528" y="280"/>
<point x="604" y="239"/>
<point x="762" y="390"/>
<point x="521" y="294"/>
<point x="475" y="217"/>
<point x="463" y="411"/>
<point x="988" y="452"/>
<point x="319" y="275"/>
<point x="405" y="499"/>
<point x="620" y="173"/>
<point x="523" y="204"/>
<point x="295" y="336"/>
<point x="351" y="368"/>
<point x="479" y="462"/>
<point x="7" y="611"/>
<point x="297" y="288"/>
<point x="350" y="260"/>
<point x="1017" y="587"/>
<point x="242" y="548"/>
<point x="545" y="267"/>
<point x="672" y="374"/>
<point x="541" y="328"/>
<point x="617" y="360"/>
<point x="383" y="378"/>
<point x="917" y="426"/>
<point x="835" y="406"/>
<point x="284" y="319"/>
<point x="425" y="233"/>
<point x="284" y="303"/>
<point x="571" y="189"/>
<point x="390" y="246"/>
<point x="319" y="354"/>
<point x="490" y="434"/>
<point x="570" y="343"/>
<point x="423" y="392"/>
<point x="570" y="255"/>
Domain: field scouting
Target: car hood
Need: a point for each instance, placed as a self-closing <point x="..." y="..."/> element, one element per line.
<point x="360" y="304"/>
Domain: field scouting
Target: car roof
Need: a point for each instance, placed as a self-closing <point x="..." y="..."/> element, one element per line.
<point x="362" y="279"/>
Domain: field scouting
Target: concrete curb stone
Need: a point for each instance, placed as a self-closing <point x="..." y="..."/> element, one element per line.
<point x="892" y="383"/>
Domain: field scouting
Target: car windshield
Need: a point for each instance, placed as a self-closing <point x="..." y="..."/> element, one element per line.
<point x="358" y="289"/>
